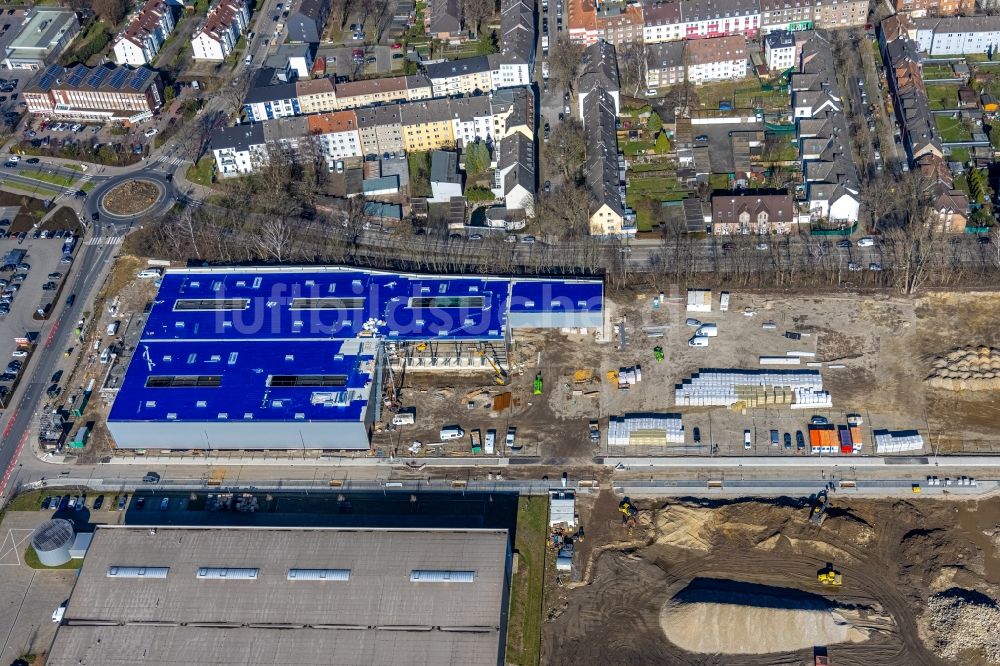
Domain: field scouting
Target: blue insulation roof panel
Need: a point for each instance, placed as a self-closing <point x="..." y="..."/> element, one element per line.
<point x="557" y="296"/>
<point x="246" y="380"/>
<point x="310" y="304"/>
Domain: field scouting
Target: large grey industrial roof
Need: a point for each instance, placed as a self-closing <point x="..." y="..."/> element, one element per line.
<point x="377" y="616"/>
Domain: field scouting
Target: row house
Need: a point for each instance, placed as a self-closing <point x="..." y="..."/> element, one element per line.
<point x="514" y="177"/>
<point x="514" y="65"/>
<point x="780" y="53"/>
<point x="696" y="61"/>
<point x="99" y="94"/>
<point x="398" y="127"/>
<point x="599" y="70"/>
<point x="460" y="77"/>
<point x="608" y="215"/>
<point x="832" y="192"/>
<point x="840" y="13"/>
<point x="922" y="8"/>
<point x="788" y="15"/>
<point x="216" y="37"/>
<point x="145" y="34"/>
<point x="716" y="59"/>
<point x="270" y="98"/>
<point x="337" y="134"/>
<point x="697" y="19"/>
<point x="958" y="35"/>
<point x="620" y="23"/>
<point x="761" y="214"/>
<point x="948" y="209"/>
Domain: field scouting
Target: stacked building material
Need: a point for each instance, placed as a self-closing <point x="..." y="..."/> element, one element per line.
<point x="645" y="430"/>
<point x="899" y="441"/>
<point x="800" y="389"/>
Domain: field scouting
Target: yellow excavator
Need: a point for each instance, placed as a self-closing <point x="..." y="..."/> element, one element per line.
<point x="830" y="576"/>
<point x="628" y="511"/>
<point x="500" y="378"/>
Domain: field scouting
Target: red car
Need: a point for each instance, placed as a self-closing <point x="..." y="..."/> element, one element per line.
<point x="397" y="45"/>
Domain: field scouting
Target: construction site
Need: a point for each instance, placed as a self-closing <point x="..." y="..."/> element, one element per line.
<point x="778" y="582"/>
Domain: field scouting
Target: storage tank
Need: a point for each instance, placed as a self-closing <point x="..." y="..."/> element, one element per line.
<point x="52" y="541"/>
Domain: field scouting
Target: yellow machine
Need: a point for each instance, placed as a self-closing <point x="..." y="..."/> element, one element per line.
<point x="830" y="576"/>
<point x="628" y="512"/>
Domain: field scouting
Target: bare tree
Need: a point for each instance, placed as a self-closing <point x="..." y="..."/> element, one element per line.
<point x="565" y="61"/>
<point x="110" y="11"/>
<point x="632" y="68"/>
<point x="474" y="12"/>
<point x="567" y="148"/>
<point x="233" y="94"/>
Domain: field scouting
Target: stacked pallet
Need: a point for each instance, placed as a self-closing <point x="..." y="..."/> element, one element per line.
<point x="799" y="389"/>
<point x="645" y="430"/>
<point x="899" y="441"/>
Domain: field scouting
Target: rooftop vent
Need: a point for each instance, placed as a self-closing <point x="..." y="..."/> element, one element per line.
<point x="227" y="573"/>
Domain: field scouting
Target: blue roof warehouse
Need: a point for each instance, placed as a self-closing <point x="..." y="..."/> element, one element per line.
<point x="294" y="358"/>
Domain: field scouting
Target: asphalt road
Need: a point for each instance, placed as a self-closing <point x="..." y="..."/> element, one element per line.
<point x="87" y="274"/>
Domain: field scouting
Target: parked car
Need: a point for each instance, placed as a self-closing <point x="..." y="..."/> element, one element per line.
<point x="867" y="241"/>
<point x="122" y="502"/>
<point x="99" y="502"/>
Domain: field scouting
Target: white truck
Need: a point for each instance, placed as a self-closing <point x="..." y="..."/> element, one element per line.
<point x="491" y="441"/>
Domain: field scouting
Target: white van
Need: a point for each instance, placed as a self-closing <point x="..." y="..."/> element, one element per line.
<point x="403" y="418"/>
<point x="707" y="331"/>
<point x="698" y="341"/>
<point x="112" y="328"/>
<point x="747" y="441"/>
<point x="150" y="273"/>
<point x="452" y="432"/>
<point x="105" y="355"/>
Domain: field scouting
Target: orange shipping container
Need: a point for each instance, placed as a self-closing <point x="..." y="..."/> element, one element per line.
<point x="856" y="437"/>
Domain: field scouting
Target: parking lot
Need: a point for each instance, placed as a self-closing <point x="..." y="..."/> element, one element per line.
<point x="44" y="259"/>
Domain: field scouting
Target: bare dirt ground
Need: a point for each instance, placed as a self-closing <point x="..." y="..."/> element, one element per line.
<point x="894" y="557"/>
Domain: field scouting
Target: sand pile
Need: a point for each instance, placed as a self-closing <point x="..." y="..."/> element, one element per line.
<point x="960" y="620"/>
<point x="723" y="617"/>
<point x="967" y="369"/>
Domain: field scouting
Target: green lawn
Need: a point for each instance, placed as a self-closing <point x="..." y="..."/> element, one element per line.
<point x="201" y="172"/>
<point x="952" y="129"/>
<point x="31" y="559"/>
<point x="419" y="163"/>
<point x="54" y="178"/>
<point x="959" y="155"/>
<point x="524" y="624"/>
<point x="878" y="54"/>
<point x="40" y="190"/>
<point x="719" y="181"/>
<point x="633" y="148"/>
<point x="942" y="95"/>
<point x="938" y="72"/>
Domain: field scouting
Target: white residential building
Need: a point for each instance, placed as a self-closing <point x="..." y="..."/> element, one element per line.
<point x="217" y="36"/>
<point x="139" y="43"/>
<point x="718" y="59"/>
<point x="958" y="35"/>
<point x="779" y="50"/>
<point x="239" y="150"/>
<point x="336" y="134"/>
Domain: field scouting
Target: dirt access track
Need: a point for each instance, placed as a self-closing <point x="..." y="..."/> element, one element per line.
<point x="894" y="557"/>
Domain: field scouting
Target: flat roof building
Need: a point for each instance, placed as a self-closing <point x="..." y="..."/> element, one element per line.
<point x="42" y="37"/>
<point x="227" y="596"/>
<point x="272" y="358"/>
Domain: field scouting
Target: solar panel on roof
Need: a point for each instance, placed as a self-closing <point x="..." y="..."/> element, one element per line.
<point x="97" y="77"/>
<point x="78" y="74"/>
<point x="51" y="74"/>
<point x="118" y="78"/>
<point x="139" y="79"/>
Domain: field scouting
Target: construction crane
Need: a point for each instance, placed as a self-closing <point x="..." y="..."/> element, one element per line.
<point x="818" y="513"/>
<point x="830" y="576"/>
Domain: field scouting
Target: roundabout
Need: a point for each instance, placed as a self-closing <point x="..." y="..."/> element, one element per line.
<point x="124" y="199"/>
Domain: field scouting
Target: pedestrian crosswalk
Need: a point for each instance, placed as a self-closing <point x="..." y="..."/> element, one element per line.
<point x="105" y="240"/>
<point x="169" y="162"/>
